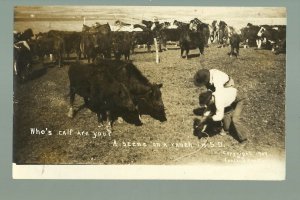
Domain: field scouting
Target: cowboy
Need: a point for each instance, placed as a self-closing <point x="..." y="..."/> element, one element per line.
<point x="228" y="109"/>
<point x="213" y="79"/>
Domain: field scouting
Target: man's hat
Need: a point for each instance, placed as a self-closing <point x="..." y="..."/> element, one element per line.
<point x="201" y="77"/>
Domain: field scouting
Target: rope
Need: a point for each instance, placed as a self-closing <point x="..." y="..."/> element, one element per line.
<point x="187" y="155"/>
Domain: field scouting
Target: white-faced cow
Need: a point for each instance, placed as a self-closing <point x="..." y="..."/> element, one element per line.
<point x="271" y="36"/>
<point x="22" y="54"/>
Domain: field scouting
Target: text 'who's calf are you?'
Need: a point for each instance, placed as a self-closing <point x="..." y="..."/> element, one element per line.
<point x="69" y="132"/>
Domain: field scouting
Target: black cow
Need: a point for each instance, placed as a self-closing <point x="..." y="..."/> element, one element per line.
<point x="272" y="35"/>
<point x="148" y="24"/>
<point x="281" y="47"/>
<point x="142" y="37"/>
<point x="234" y="41"/>
<point x="51" y="45"/>
<point x="96" y="40"/>
<point x="101" y="92"/>
<point x="222" y="33"/>
<point x="146" y="96"/>
<point x="87" y="47"/>
<point x="22" y="54"/>
<point x="249" y="35"/>
<point x="22" y="61"/>
<point x="23" y="36"/>
<point x="214" y="32"/>
<point x="203" y="28"/>
<point x="102" y="40"/>
<point x="204" y="125"/>
<point x="122" y="44"/>
<point x="160" y="34"/>
<point x="71" y="40"/>
<point x="172" y="34"/>
<point x="189" y="39"/>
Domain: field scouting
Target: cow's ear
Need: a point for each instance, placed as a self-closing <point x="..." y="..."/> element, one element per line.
<point x="160" y="85"/>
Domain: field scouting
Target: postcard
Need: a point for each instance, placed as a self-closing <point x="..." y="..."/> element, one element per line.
<point x="149" y="92"/>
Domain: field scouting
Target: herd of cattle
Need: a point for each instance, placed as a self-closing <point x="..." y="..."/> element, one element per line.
<point x="114" y="88"/>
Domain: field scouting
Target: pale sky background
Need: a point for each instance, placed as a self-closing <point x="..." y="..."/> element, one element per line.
<point x="237" y="17"/>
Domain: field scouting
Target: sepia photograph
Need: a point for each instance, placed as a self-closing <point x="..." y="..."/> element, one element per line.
<point x="149" y="92"/>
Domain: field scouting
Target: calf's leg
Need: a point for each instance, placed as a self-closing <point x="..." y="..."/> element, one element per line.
<point x="72" y="98"/>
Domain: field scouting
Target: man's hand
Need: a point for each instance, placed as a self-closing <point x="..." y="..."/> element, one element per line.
<point x="199" y="111"/>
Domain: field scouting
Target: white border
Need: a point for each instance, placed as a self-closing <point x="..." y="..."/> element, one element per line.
<point x="256" y="170"/>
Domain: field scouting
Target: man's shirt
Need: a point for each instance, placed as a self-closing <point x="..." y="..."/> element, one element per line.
<point x="218" y="78"/>
<point x="224" y="97"/>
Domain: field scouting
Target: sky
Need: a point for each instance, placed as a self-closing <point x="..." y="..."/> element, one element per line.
<point x="234" y="16"/>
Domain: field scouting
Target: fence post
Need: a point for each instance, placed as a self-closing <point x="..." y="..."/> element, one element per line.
<point x="156" y="51"/>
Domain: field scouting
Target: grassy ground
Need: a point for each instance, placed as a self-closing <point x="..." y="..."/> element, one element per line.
<point x="259" y="75"/>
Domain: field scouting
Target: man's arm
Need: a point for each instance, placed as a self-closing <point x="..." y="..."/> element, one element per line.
<point x="219" y="110"/>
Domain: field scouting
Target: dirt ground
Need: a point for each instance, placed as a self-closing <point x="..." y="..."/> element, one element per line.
<point x="42" y="103"/>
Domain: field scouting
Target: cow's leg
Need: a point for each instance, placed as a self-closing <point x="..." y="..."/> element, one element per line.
<point x="59" y="55"/>
<point x="165" y="45"/>
<point x="100" y="119"/>
<point x="231" y="50"/>
<point x="187" y="53"/>
<point x="59" y="61"/>
<point x="181" y="52"/>
<point x="72" y="98"/>
<point x="78" y="55"/>
<point x="109" y="123"/>
<point x="127" y="55"/>
<point x="148" y="47"/>
<point x="258" y="42"/>
<point x="159" y="47"/>
<point x="237" y="50"/>
<point x="201" y="49"/>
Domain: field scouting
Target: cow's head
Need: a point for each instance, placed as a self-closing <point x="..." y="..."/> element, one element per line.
<point x="152" y="103"/>
<point x="193" y="26"/>
<point x="27" y="34"/>
<point x="261" y="31"/>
